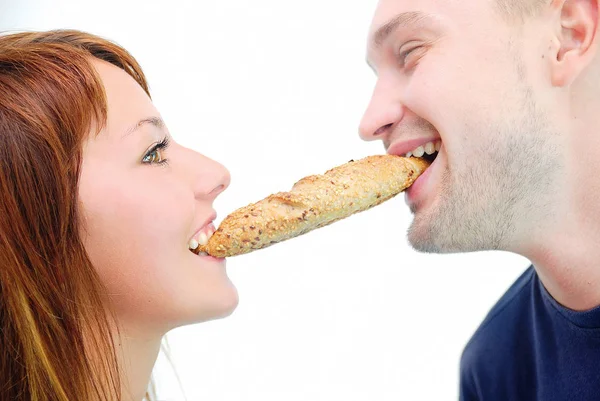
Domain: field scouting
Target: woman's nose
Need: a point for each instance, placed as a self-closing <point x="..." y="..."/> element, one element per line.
<point x="211" y="180"/>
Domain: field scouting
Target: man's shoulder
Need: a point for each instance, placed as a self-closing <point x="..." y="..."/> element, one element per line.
<point x="502" y="334"/>
<point x="506" y="316"/>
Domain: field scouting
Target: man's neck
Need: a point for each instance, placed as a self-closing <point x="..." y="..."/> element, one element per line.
<point x="570" y="271"/>
<point x="567" y="254"/>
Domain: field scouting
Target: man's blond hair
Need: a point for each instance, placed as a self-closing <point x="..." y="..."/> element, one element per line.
<point x="520" y="9"/>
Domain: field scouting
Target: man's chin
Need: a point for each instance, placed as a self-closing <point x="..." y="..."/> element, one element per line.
<point x="420" y="240"/>
<point x="434" y="240"/>
<point x="426" y="239"/>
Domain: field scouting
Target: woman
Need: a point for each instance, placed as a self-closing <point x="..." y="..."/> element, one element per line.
<point x="98" y="208"/>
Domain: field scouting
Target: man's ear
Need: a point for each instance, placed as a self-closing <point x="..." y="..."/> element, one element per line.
<point x="574" y="44"/>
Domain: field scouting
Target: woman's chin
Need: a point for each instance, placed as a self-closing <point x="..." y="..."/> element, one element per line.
<point x="220" y="306"/>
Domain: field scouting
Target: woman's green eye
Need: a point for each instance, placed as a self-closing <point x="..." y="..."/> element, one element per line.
<point x="154" y="156"/>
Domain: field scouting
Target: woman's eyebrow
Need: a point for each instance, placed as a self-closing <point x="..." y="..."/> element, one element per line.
<point x="155" y="121"/>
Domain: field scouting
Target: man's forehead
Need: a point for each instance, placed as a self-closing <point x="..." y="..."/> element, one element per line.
<point x="410" y="19"/>
<point x="389" y="9"/>
<point x="391" y="14"/>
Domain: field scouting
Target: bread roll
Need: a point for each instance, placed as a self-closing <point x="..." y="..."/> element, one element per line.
<point x="314" y="202"/>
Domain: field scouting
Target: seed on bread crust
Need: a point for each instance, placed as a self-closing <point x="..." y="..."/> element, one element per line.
<point x="313" y="202"/>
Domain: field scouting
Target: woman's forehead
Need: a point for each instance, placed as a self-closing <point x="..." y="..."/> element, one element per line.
<point x="127" y="102"/>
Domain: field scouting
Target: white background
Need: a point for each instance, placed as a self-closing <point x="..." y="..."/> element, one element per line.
<point x="274" y="90"/>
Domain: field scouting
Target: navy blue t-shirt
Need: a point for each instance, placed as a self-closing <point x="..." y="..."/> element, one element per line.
<point x="530" y="348"/>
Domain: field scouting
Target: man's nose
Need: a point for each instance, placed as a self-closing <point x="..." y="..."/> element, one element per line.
<point x="383" y="113"/>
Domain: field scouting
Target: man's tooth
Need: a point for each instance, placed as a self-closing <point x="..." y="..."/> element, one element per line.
<point x="429" y="148"/>
<point x="193" y="244"/>
<point x="203" y="239"/>
<point x="438" y="145"/>
<point x="419" y="152"/>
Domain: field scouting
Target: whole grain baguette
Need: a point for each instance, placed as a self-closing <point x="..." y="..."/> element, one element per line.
<point x="314" y="202"/>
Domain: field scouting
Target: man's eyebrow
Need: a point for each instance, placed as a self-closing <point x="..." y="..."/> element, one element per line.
<point x="155" y="121"/>
<point x="403" y="19"/>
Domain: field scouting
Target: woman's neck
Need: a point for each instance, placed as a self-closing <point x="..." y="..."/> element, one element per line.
<point x="137" y="352"/>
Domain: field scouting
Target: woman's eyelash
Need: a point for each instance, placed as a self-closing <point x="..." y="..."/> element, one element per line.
<point x="154" y="154"/>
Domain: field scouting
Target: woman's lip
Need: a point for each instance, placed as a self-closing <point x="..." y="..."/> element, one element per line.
<point x="211" y="258"/>
<point x="208" y="222"/>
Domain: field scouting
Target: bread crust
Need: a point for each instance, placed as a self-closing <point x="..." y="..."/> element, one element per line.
<point x="313" y="202"/>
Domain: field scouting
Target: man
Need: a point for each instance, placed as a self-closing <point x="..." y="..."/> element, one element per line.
<point x="509" y="92"/>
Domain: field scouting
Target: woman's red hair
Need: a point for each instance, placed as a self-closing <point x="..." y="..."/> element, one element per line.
<point x="56" y="338"/>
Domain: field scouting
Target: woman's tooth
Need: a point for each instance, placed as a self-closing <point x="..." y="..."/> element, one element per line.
<point x="203" y="254"/>
<point x="409" y="154"/>
<point x="203" y="239"/>
<point x="210" y="233"/>
<point x="193" y="244"/>
<point x="429" y="148"/>
<point x="419" y="152"/>
<point x="438" y="145"/>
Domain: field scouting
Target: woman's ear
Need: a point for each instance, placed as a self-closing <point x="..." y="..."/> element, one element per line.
<point x="574" y="44"/>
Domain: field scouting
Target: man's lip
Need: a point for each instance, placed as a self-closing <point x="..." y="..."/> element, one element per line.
<point x="402" y="148"/>
<point x="415" y="193"/>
